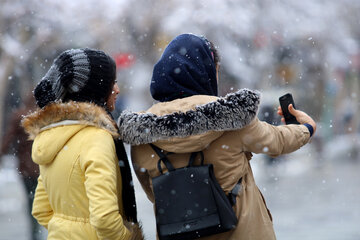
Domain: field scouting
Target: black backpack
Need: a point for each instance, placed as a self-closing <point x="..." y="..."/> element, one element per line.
<point x="189" y="202"/>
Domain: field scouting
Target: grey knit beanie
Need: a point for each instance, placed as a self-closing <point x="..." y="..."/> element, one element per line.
<point x="84" y="75"/>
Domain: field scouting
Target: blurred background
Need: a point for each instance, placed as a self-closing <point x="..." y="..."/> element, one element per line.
<point x="310" y="48"/>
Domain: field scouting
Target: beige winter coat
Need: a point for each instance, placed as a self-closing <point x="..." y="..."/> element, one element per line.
<point x="228" y="132"/>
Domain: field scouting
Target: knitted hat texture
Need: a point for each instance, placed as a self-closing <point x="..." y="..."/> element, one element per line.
<point x="85" y="75"/>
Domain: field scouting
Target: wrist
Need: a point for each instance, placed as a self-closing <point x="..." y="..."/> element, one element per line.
<point x="310" y="128"/>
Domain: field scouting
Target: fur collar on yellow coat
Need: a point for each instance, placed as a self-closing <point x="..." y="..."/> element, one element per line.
<point x="79" y="189"/>
<point x="227" y="130"/>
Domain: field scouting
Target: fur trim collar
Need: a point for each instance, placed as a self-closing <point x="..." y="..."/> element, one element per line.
<point x="234" y="111"/>
<point x="81" y="112"/>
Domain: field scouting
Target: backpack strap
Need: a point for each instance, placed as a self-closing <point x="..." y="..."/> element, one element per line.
<point x="192" y="158"/>
<point x="163" y="158"/>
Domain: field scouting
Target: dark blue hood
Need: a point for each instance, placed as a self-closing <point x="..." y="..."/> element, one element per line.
<point x="186" y="68"/>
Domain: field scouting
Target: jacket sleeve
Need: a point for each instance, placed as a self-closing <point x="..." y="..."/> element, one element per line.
<point x="261" y="137"/>
<point x="99" y="162"/>
<point x="42" y="210"/>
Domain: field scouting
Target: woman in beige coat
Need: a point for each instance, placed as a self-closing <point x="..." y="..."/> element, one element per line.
<point x="190" y="117"/>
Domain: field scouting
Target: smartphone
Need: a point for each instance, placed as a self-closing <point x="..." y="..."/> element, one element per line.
<point x="285" y="101"/>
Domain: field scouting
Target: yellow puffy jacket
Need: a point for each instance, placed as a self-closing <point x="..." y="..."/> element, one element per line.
<point x="79" y="189"/>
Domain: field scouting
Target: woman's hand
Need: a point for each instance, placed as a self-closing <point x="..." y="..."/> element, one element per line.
<point x="300" y="116"/>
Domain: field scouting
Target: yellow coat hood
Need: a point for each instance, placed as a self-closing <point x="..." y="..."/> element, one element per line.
<point x="43" y="152"/>
<point x="58" y="123"/>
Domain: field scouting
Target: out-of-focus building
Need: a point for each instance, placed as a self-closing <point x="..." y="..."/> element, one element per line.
<point x="267" y="45"/>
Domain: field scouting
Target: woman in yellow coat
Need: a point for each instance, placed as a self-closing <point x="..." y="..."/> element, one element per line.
<point x="82" y="193"/>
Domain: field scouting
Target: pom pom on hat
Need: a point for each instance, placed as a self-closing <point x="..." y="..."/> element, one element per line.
<point x="43" y="93"/>
<point x="85" y="75"/>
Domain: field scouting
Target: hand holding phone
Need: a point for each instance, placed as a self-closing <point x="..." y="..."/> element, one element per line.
<point x="285" y="101"/>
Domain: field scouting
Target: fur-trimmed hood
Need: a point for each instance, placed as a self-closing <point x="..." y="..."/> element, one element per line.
<point x="53" y="126"/>
<point x="69" y="113"/>
<point x="190" y="116"/>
